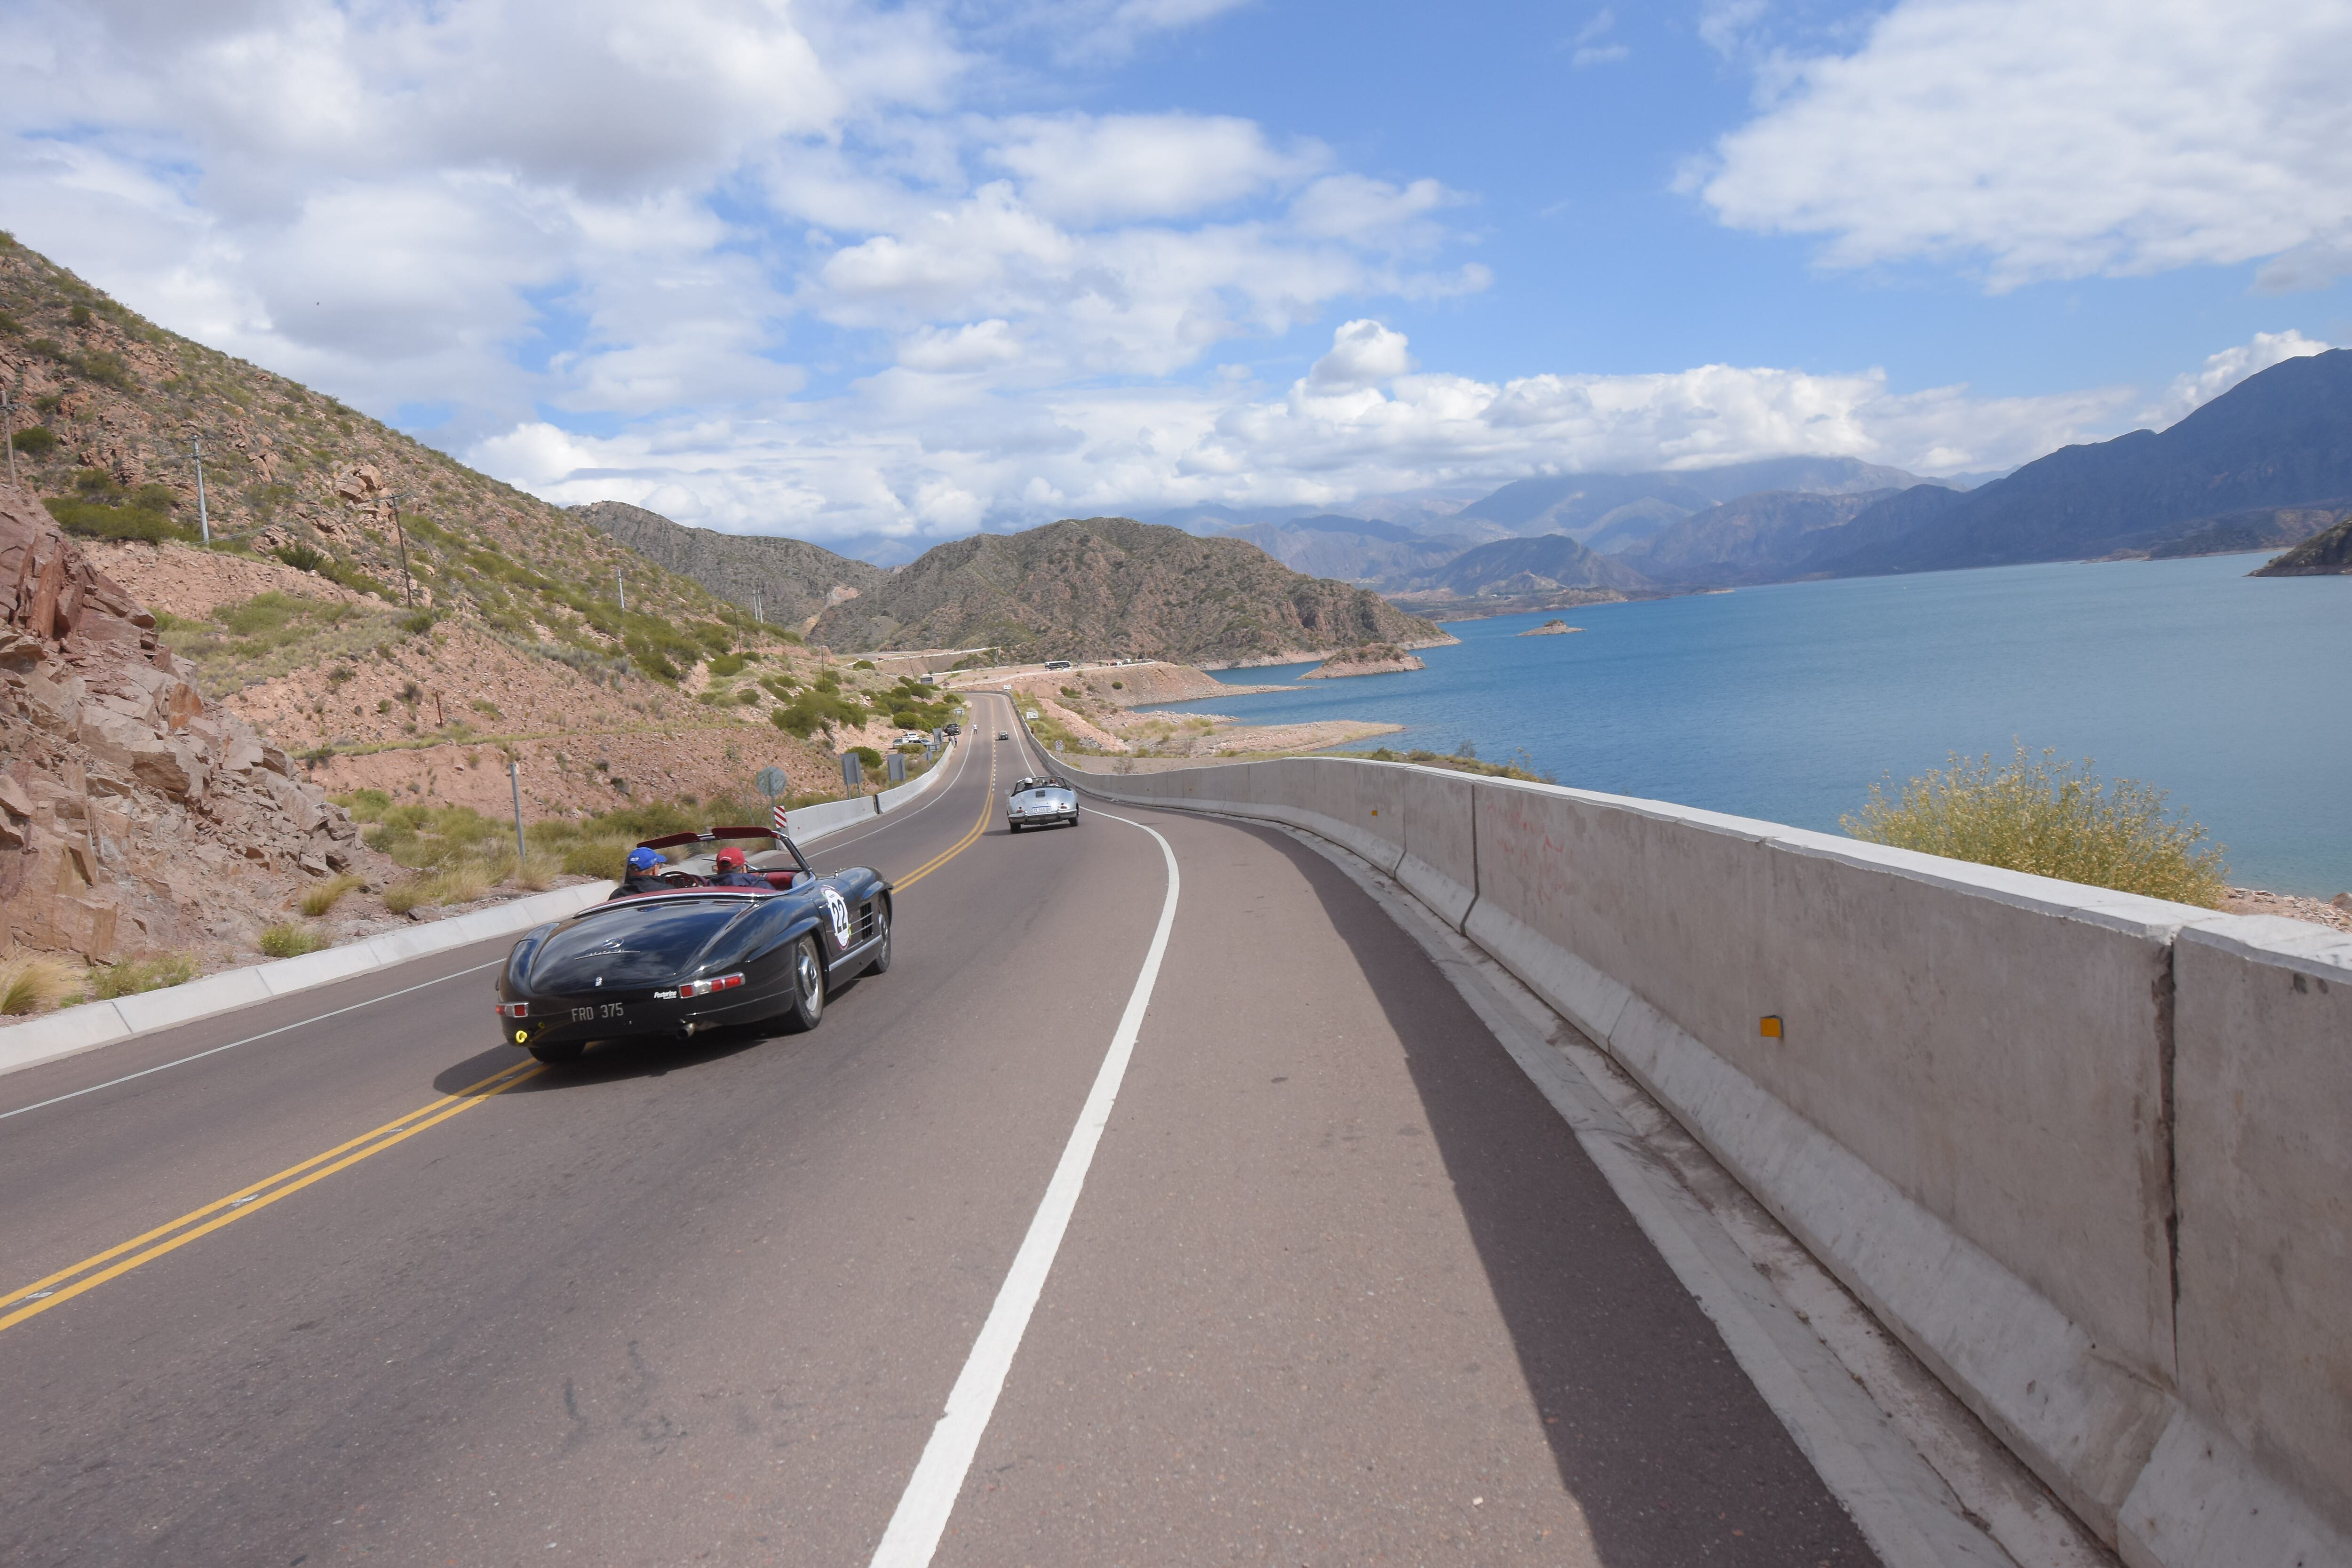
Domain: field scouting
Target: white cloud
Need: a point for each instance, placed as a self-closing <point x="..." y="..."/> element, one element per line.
<point x="1083" y="170"/>
<point x="1363" y="354"/>
<point x="910" y="459"/>
<point x="2192" y="390"/>
<point x="2045" y="139"/>
<point x="1588" y="45"/>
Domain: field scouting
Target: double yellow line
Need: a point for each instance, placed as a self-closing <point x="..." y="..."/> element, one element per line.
<point x="31" y="1301"/>
<point x="987" y="805"/>
<point x="97" y="1270"/>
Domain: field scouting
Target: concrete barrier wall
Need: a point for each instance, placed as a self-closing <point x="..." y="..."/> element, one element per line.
<point x="1968" y="1115"/>
<point x="2263" y="1148"/>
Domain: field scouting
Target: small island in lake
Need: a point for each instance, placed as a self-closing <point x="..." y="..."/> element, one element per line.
<point x="1554" y="628"/>
<point x="1371" y="659"/>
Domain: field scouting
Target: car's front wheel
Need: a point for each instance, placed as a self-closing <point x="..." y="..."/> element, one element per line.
<point x="808" y="986"/>
<point x="556" y="1053"/>
<point x="880" y="963"/>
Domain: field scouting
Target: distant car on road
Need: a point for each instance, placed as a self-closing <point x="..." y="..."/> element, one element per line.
<point x="1057" y="664"/>
<point x="1003" y="736"/>
<point x="1041" y="802"/>
<point x="694" y="957"/>
<point x="951" y="729"/>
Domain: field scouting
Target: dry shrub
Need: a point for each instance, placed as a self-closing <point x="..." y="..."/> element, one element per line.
<point x="402" y="897"/>
<point x="2051" y="818"/>
<point x="32" y="983"/>
<point x="132" y="975"/>
<point x="322" y="897"/>
<point x="289" y="940"/>
<point x="463" y="884"/>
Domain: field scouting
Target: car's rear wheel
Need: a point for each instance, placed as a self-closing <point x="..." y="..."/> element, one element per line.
<point x="556" y="1053"/>
<point x="808" y="987"/>
<point x="880" y="963"/>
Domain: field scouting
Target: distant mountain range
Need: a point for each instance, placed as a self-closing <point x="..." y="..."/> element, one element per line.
<point x="1105" y="585"/>
<point x="2267" y="465"/>
<point x="2277" y="440"/>
<point x="789" y="581"/>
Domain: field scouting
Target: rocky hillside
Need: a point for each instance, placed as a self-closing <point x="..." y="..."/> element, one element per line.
<point x="1112" y="586"/>
<point x="789" y="581"/>
<point x="2322" y="555"/>
<point x="2261" y="528"/>
<point x="113" y="403"/>
<point x="300" y="618"/>
<point x="135" y="814"/>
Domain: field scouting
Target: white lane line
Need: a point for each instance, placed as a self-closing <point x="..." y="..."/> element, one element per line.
<point x="265" y="1034"/>
<point x="930" y="1495"/>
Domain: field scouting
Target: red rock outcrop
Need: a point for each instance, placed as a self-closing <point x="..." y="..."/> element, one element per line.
<point x="134" y="814"/>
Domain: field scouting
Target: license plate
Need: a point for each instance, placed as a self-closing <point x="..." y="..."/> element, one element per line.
<point x="599" y="1013"/>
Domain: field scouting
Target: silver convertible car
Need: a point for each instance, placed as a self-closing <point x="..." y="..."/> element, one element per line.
<point x="1041" y="802"/>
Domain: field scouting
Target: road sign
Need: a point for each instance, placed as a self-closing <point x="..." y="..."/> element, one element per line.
<point x="772" y="781"/>
<point x="853" y="778"/>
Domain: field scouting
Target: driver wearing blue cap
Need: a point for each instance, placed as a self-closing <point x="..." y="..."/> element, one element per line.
<point x="644" y="874"/>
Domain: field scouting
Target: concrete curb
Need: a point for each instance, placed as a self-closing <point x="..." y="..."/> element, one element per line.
<point x="2126" y="1447"/>
<point x="95" y="1024"/>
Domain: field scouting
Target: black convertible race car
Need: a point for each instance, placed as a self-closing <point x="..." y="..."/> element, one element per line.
<point x="688" y="957"/>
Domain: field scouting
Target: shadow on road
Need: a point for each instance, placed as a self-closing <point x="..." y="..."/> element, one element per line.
<point x="1659" y="1436"/>
<point x="610" y="1060"/>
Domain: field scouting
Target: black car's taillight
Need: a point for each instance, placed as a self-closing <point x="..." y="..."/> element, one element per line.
<point x="705" y="987"/>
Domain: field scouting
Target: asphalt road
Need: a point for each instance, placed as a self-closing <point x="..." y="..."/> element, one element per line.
<point x="1339" y="1286"/>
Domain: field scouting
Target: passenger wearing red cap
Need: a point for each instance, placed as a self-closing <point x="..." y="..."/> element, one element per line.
<point x="732" y="872"/>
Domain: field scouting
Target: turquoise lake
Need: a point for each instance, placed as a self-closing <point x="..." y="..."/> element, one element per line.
<point x="2233" y="694"/>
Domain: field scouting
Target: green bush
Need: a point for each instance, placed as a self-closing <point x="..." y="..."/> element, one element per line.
<point x="300" y="556"/>
<point x="78" y="315"/>
<point x="2052" y="819"/>
<point x="35" y="441"/>
<point x="365" y="804"/>
<point x="96" y="519"/>
<point x="417" y="624"/>
<point x="863" y="664"/>
<point x="290" y="939"/>
<point x="47" y="348"/>
<point x="106" y="369"/>
<point x="867" y="758"/>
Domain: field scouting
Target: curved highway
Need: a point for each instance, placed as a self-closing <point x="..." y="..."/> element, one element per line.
<point x="1297" y="1268"/>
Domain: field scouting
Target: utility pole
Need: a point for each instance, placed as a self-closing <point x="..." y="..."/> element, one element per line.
<point x="755" y="593"/>
<point x="407" y="583"/>
<point x="514" y="780"/>
<point x="620" y="590"/>
<point x="204" y="513"/>
<point x="8" y="432"/>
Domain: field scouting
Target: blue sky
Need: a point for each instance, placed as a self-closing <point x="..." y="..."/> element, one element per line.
<point x="882" y="275"/>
